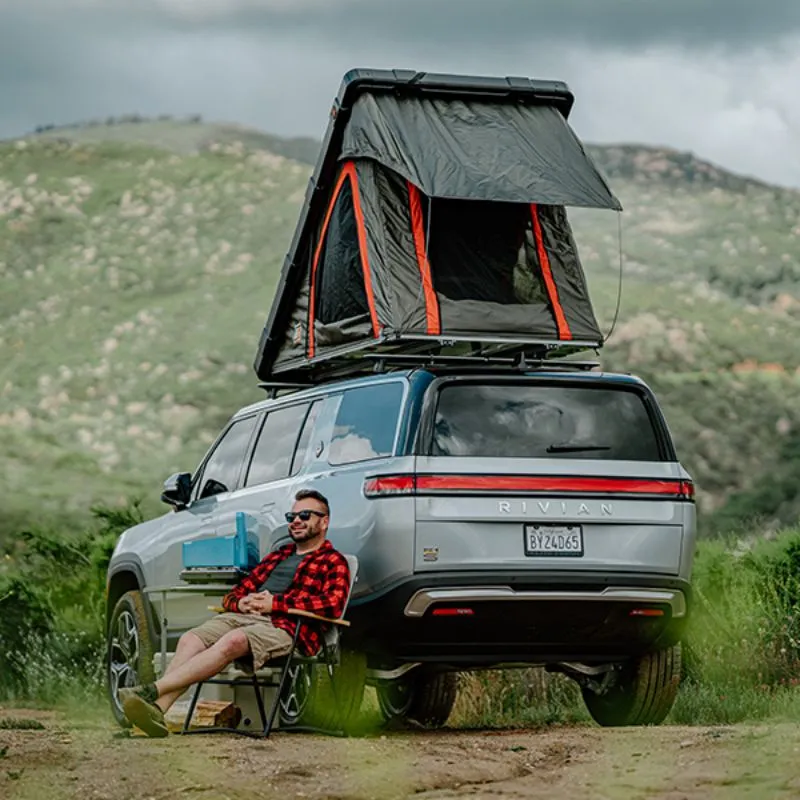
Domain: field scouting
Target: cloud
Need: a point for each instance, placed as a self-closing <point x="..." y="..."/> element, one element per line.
<point x="698" y="24"/>
<point x="742" y="114"/>
<point x="718" y="78"/>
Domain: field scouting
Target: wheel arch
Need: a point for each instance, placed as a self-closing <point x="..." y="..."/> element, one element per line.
<point x="128" y="576"/>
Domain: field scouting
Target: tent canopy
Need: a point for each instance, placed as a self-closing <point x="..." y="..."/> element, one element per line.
<point x="435" y="222"/>
<point x="476" y="149"/>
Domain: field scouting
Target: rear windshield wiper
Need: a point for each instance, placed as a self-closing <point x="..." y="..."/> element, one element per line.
<point x="576" y="448"/>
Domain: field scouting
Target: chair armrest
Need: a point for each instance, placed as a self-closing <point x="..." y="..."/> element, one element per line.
<point x="299" y="612"/>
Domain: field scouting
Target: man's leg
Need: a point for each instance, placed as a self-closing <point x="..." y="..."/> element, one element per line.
<point x="201" y="653"/>
<point x="189" y="645"/>
<point x="201" y="665"/>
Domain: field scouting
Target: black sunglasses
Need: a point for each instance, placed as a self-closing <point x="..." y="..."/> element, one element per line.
<point x="304" y="515"/>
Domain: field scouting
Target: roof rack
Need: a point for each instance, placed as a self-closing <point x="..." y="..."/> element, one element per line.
<point x="501" y="360"/>
<point x="398" y="352"/>
<point x="518" y="363"/>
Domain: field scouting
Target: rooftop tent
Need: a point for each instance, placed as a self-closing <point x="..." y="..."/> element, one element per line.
<point x="436" y="221"/>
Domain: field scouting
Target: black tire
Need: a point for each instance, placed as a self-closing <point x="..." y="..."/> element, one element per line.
<point x="129" y="650"/>
<point x="643" y="694"/>
<point x="421" y="697"/>
<point x="308" y="698"/>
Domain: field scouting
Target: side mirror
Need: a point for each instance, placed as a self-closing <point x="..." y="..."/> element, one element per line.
<point x="177" y="490"/>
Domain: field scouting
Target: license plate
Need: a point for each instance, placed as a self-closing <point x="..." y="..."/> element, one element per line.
<point x="553" y="540"/>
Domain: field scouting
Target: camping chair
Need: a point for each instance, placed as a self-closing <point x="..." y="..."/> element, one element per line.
<point x="328" y="656"/>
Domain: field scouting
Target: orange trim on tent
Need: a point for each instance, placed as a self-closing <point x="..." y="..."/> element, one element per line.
<point x="418" y="230"/>
<point x="552" y="291"/>
<point x="348" y="171"/>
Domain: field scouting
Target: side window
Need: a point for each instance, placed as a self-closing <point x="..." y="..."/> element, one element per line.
<point x="366" y="423"/>
<point x="305" y="437"/>
<point x="275" y="447"/>
<point x="221" y="471"/>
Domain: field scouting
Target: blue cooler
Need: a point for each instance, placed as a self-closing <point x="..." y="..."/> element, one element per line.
<point x="237" y="553"/>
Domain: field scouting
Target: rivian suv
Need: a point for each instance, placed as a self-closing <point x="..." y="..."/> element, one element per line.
<point x="500" y="519"/>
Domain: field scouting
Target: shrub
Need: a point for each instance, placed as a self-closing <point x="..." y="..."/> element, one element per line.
<point x="52" y="608"/>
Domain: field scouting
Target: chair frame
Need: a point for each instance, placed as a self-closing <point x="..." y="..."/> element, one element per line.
<point x="327" y="655"/>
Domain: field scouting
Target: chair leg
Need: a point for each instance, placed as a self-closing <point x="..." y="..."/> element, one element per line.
<point x="329" y="667"/>
<point x="192" y="706"/>
<point x="281" y="683"/>
<point x="260" y="703"/>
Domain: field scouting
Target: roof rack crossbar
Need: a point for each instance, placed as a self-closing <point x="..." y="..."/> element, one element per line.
<point x="519" y="362"/>
<point x="273" y="387"/>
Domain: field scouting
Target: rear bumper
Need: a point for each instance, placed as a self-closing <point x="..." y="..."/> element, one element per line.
<point x="425" y="599"/>
<point x="512" y="618"/>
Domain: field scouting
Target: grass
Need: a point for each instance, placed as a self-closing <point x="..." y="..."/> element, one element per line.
<point x="20" y="724"/>
<point x="517" y="698"/>
<point x="731" y="704"/>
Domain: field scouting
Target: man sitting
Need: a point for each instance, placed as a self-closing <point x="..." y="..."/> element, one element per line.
<point x="309" y="574"/>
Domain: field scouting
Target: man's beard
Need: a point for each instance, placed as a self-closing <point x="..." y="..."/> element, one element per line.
<point x="302" y="535"/>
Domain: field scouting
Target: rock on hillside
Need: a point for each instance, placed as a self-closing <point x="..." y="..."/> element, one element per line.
<point x="648" y="165"/>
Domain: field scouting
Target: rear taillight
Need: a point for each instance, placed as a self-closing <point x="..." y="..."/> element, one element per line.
<point x="452" y="612"/>
<point x="392" y="485"/>
<point x="389" y="485"/>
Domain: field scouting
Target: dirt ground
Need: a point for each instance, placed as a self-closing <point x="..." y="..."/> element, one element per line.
<point x="87" y="759"/>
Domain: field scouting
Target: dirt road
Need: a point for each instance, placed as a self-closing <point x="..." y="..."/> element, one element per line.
<point x="87" y="760"/>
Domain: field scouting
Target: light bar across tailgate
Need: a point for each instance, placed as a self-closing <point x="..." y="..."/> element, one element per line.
<point x="391" y="485"/>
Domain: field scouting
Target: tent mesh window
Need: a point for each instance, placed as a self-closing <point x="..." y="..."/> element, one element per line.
<point x="483" y="251"/>
<point x="340" y="292"/>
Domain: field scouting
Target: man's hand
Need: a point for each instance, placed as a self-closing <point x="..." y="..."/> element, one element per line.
<point x="244" y="604"/>
<point x="256" y="603"/>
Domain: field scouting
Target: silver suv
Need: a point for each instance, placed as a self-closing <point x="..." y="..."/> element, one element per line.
<point x="500" y="518"/>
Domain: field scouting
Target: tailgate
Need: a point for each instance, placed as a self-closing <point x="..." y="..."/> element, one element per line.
<point x="531" y="516"/>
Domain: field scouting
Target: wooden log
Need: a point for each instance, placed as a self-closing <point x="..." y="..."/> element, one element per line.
<point x="207" y="714"/>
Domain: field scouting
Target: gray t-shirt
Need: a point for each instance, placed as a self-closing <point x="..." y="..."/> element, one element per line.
<point x="280" y="579"/>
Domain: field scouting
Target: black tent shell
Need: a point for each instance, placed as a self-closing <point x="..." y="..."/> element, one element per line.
<point x="435" y="223"/>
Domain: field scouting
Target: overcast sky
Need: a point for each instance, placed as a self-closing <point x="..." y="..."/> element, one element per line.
<point x="718" y="77"/>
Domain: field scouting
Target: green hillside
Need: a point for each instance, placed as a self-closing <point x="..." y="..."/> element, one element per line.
<point x="138" y="262"/>
<point x="184" y="136"/>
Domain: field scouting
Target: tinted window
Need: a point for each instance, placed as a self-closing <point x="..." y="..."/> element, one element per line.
<point x="275" y="446"/>
<point x="517" y="421"/>
<point x="221" y="471"/>
<point x="366" y="423"/>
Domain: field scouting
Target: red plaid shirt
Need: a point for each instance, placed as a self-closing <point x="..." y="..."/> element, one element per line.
<point x="320" y="584"/>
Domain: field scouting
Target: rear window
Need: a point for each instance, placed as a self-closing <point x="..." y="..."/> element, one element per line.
<point x="543" y="421"/>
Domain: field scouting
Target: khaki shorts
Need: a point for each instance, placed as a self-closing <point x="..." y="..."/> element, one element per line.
<point x="265" y="640"/>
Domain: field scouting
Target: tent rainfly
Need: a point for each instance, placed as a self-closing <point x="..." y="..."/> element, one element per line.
<point x="435" y="220"/>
